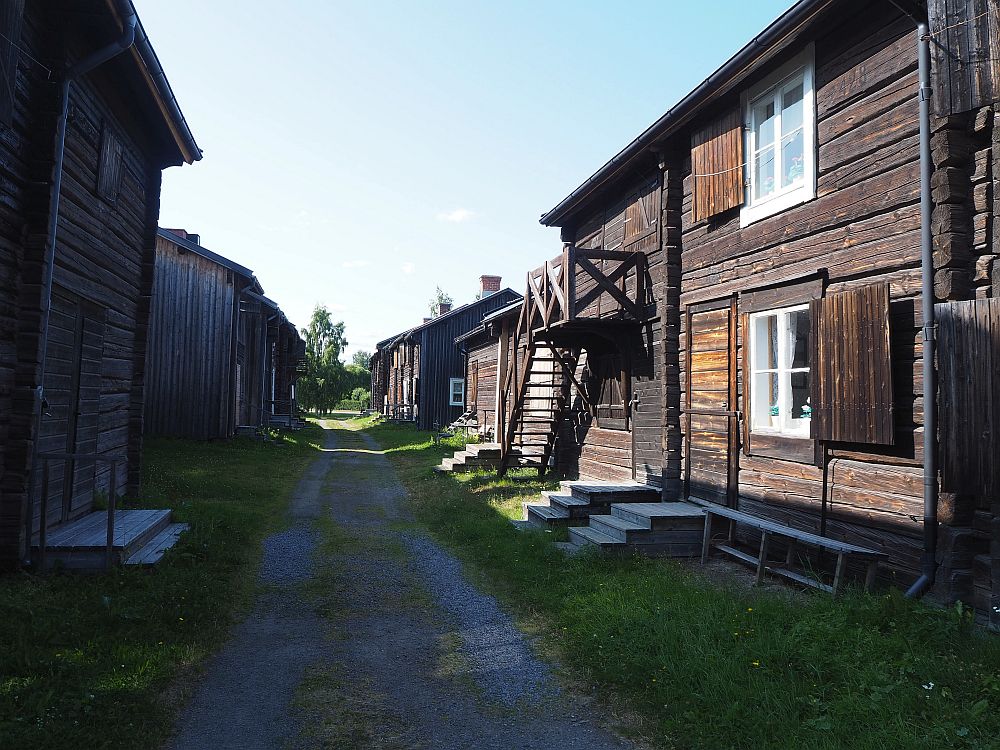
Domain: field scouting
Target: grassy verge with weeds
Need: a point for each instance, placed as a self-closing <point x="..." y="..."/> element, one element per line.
<point x="98" y="661"/>
<point x="711" y="664"/>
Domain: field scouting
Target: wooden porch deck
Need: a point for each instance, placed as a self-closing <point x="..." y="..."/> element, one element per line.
<point x="141" y="537"/>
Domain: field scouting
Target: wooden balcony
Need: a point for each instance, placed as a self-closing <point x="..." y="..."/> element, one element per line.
<point x="586" y="286"/>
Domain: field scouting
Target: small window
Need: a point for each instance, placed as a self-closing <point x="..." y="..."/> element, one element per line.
<point x="457" y="390"/>
<point x="779" y="386"/>
<point x="781" y="124"/>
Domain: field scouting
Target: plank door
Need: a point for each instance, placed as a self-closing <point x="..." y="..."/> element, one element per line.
<point x="711" y="439"/>
<point x="72" y="384"/>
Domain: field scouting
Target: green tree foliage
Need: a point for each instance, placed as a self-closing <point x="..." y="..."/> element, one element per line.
<point x="325" y="380"/>
<point x="361" y="359"/>
<point x="440" y="298"/>
<point x="363" y="396"/>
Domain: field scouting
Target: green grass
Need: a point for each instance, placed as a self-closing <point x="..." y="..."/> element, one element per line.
<point x="709" y="664"/>
<point x="100" y="661"/>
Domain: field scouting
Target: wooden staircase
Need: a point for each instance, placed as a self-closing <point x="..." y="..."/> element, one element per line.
<point x="664" y="529"/>
<point x="478" y="457"/>
<point x="575" y="502"/>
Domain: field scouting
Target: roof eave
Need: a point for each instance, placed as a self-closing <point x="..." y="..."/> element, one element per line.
<point x="772" y="39"/>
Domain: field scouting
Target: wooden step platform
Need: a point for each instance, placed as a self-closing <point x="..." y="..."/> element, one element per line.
<point x="475" y="457"/>
<point x="140" y="538"/>
<point x="576" y="501"/>
<point x="663" y="529"/>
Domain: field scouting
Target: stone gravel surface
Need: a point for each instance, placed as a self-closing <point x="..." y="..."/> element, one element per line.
<point x="427" y="659"/>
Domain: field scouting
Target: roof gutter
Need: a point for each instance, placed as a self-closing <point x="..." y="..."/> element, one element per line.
<point x="787" y="25"/>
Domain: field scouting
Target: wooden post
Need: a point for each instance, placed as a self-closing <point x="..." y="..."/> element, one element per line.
<point x="44" y="510"/>
<point x="112" y="497"/>
<point x="838" y="576"/>
<point x="565" y="282"/>
<point x="765" y="540"/>
<point x="571" y="282"/>
<point x="706" y="543"/>
<point x="870" y="574"/>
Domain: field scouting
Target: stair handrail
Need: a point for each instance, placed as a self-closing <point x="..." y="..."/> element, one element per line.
<point x="46" y="459"/>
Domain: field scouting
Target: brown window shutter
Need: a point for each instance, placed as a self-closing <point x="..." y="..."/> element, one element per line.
<point x="11" y="12"/>
<point x="852" y="370"/>
<point x="717" y="166"/>
<point x="109" y="171"/>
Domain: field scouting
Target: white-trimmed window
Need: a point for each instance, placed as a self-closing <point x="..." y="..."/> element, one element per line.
<point x="456" y="390"/>
<point x="780" y="117"/>
<point x="779" y="372"/>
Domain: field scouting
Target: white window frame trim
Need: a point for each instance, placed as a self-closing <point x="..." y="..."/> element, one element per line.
<point x="782" y="200"/>
<point x="754" y="371"/>
<point x="451" y="391"/>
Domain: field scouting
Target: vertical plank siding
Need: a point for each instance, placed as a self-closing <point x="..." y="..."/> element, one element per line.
<point x="966" y="54"/>
<point x="968" y="399"/>
<point x="189" y="366"/>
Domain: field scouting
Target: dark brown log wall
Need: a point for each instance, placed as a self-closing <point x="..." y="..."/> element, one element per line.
<point x="862" y="227"/>
<point x="105" y="256"/>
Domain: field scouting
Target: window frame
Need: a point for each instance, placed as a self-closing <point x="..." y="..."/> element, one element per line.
<point x="452" y="382"/>
<point x="780" y="200"/>
<point x="804" y="432"/>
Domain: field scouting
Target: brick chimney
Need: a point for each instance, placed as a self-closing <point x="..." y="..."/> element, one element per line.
<point x="488" y="285"/>
<point x="444" y="307"/>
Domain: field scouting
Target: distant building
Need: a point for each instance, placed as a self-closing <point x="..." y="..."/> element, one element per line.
<point x="420" y="374"/>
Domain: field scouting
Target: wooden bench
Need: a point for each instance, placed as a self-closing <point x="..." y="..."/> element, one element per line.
<point x="768" y="531"/>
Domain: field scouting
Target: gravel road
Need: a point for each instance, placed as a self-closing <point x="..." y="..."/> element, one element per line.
<point x="413" y="655"/>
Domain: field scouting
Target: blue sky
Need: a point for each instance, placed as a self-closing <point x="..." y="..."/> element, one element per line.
<point x="359" y="154"/>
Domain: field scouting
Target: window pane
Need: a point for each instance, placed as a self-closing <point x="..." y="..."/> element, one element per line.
<point x="764" y="173"/>
<point x="765" y="410"/>
<point x="792" y="159"/>
<point x="791" y="109"/>
<point x="763" y="119"/>
<point x="798" y="339"/>
<point x="801" y="409"/>
<point x="765" y="342"/>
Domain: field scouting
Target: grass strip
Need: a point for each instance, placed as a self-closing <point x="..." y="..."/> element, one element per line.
<point x="713" y="664"/>
<point x="100" y="661"/>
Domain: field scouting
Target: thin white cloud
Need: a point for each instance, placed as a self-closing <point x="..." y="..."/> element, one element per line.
<point x="457" y="216"/>
<point x="408" y="268"/>
<point x="356" y="263"/>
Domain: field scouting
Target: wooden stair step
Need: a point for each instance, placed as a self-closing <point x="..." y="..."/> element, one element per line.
<point x="154" y="549"/>
<point x="547" y="515"/>
<point x="676" y="515"/>
<point x="582" y="536"/>
<point x="615" y="527"/>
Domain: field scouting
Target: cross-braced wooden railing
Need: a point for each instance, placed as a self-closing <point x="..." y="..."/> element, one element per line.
<point x="579" y="285"/>
<point x="586" y="284"/>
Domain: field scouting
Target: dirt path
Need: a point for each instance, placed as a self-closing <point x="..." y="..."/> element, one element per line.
<point x="370" y="637"/>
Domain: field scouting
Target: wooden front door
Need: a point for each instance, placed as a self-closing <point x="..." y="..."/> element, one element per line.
<point x="72" y="385"/>
<point x="711" y="439"/>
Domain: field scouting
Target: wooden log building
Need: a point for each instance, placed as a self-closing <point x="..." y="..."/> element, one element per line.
<point x="480" y="348"/>
<point x="87" y="124"/>
<point x="737" y="312"/>
<point x="419" y="375"/>
<point x="221" y="355"/>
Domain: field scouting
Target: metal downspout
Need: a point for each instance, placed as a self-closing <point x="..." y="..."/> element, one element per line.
<point x="82" y="68"/>
<point x="928" y="560"/>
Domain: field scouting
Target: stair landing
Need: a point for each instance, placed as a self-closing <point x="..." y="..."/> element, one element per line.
<point x="141" y="537"/>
